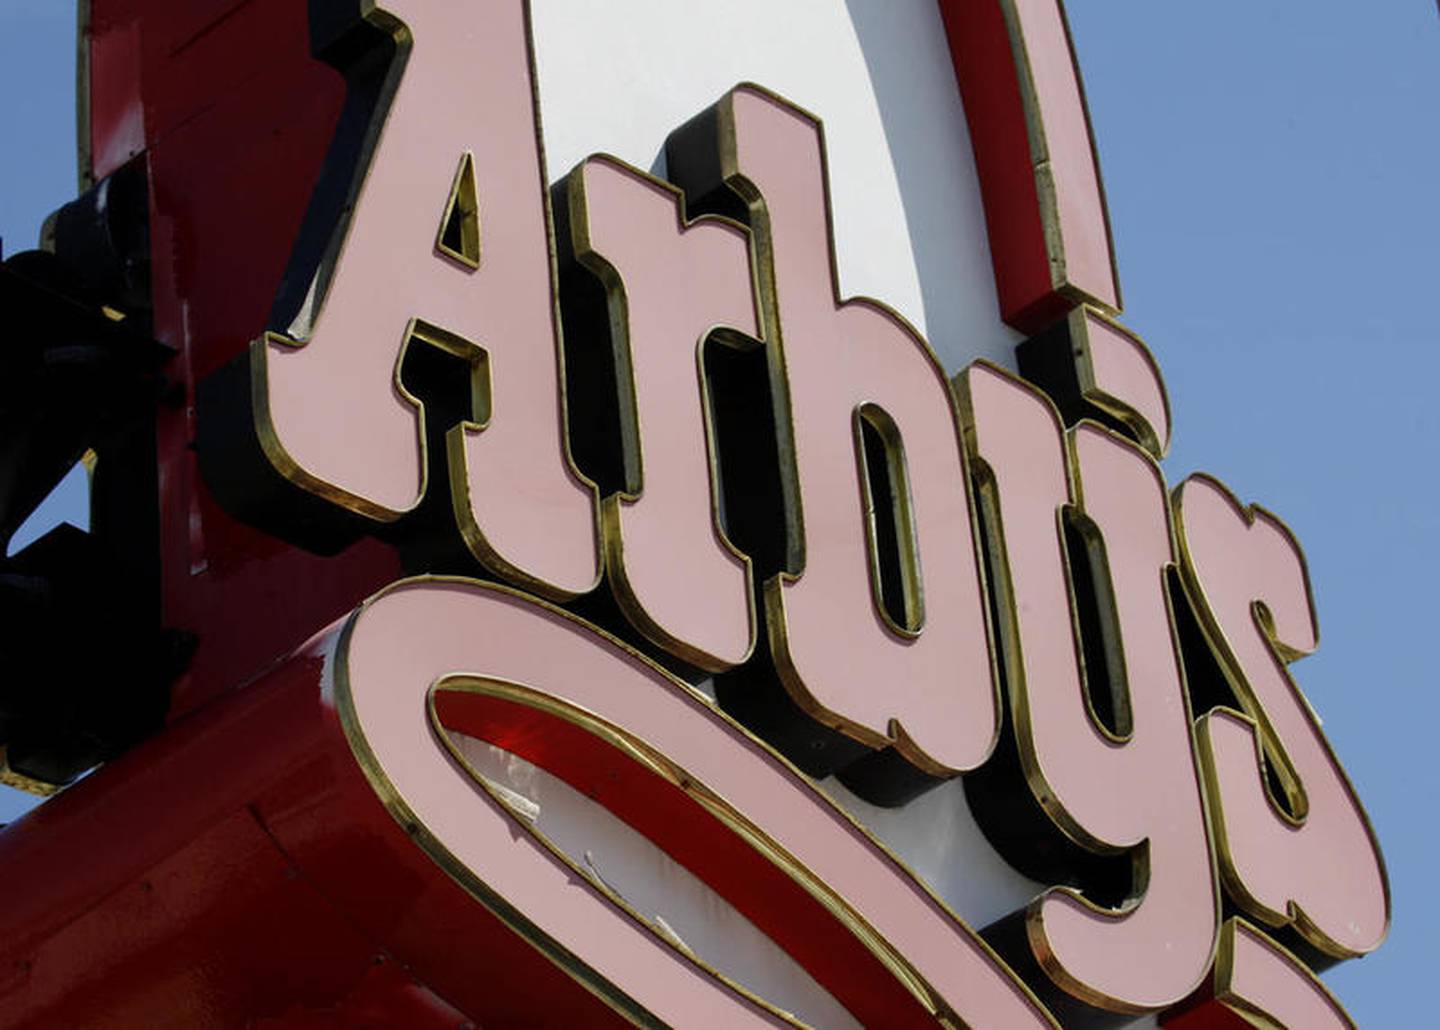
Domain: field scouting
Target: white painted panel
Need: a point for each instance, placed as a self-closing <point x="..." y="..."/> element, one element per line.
<point x="681" y="906"/>
<point x="617" y="77"/>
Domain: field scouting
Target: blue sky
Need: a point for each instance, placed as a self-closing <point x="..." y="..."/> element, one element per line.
<point x="1271" y="176"/>
<point x="1271" y="171"/>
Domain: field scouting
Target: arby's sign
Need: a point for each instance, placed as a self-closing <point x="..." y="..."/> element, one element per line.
<point x="711" y="532"/>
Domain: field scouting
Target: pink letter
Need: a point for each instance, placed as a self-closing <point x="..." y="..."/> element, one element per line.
<point x="921" y="682"/>
<point x="669" y="284"/>
<point x="1049" y="232"/>
<point x="1264" y="985"/>
<point x="1133" y="789"/>
<point x="405" y="649"/>
<point x="331" y="413"/>
<point x="1091" y="366"/>
<point x="1309" y="858"/>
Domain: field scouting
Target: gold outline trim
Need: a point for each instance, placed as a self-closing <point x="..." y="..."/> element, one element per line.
<point x="29" y="784"/>
<point x="456" y="463"/>
<point x="84" y="159"/>
<point x="298" y="333"/>
<point x="658" y="764"/>
<point x="281" y="461"/>
<point x="463" y="205"/>
<point x="732" y="176"/>
<point x="390" y="798"/>
<point x="1041" y="164"/>
<point x="272" y="446"/>
<point x="1116" y="671"/>
<point x="1117" y="408"/>
<point x="631" y="438"/>
<point x="565" y="960"/>
<point x="901" y="515"/>
<point x="1246" y="1009"/>
<point x="1268" y="746"/>
<point x="1008" y="638"/>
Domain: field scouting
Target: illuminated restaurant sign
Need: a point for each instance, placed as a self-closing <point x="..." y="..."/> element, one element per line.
<point x="685" y="531"/>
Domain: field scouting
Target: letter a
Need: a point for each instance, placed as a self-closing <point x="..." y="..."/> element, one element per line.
<point x="429" y="256"/>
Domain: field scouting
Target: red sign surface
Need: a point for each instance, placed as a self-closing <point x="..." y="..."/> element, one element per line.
<point x="467" y="459"/>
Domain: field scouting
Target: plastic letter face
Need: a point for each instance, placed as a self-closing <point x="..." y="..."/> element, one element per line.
<point x="1070" y="195"/>
<point x="1315" y="862"/>
<point x="927" y="688"/>
<point x="462" y="652"/>
<point x="1119" y="376"/>
<point x="1093" y="367"/>
<point x="669" y="285"/>
<point x="339" y="424"/>
<point x="1262" y="978"/>
<point x="1264" y="985"/>
<point x="1050" y="233"/>
<point x="1107" y="792"/>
